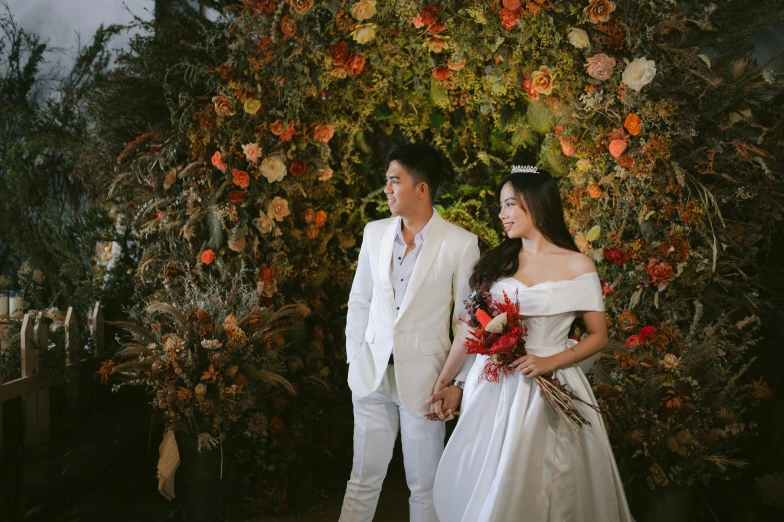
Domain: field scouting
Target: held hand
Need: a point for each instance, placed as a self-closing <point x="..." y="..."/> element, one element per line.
<point x="532" y="366"/>
<point x="444" y="403"/>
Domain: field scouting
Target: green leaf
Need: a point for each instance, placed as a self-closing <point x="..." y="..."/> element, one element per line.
<point x="383" y="112"/>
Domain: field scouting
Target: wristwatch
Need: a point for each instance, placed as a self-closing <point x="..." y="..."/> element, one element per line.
<point x="459" y="384"/>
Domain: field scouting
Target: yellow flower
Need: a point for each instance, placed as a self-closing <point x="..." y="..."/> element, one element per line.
<point x="363" y="9"/>
<point x="364" y="33"/>
<point x="252" y="106"/>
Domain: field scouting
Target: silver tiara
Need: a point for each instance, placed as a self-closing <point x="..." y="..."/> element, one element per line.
<point x="524" y="169"/>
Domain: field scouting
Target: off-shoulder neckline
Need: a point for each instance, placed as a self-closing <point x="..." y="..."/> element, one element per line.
<point x="547" y="282"/>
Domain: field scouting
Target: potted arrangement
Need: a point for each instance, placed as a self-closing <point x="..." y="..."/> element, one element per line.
<point x="205" y="357"/>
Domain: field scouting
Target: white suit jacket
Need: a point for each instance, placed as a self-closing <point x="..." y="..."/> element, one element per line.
<point x="419" y="335"/>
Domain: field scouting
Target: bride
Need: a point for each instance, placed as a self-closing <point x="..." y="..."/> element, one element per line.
<point x="510" y="457"/>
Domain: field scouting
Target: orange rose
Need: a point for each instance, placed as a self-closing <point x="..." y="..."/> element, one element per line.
<point x="287" y="26"/>
<point x="301" y="6"/>
<point x="356" y="64"/>
<point x="627" y="320"/>
<point x="568" y="145"/>
<point x="660" y="272"/>
<point x="528" y="87"/>
<point x="441" y="73"/>
<point x="633" y="124"/>
<point x="508" y="18"/>
<point x="240" y="177"/>
<point x="323" y="133"/>
<point x="207" y="257"/>
<point x="277" y="128"/>
<point x="217" y="161"/>
<point x="599" y="10"/>
<point x="223" y="105"/>
<point x="594" y="191"/>
<point x="320" y="218"/>
<point x="542" y="80"/>
<point x="617" y="147"/>
<point x="512" y="5"/>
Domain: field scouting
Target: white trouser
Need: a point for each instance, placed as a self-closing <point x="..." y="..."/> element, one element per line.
<point x="376" y="421"/>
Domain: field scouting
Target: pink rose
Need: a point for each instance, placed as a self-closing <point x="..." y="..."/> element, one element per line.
<point x="600" y="66"/>
<point x="252" y="152"/>
<point x="617" y="147"/>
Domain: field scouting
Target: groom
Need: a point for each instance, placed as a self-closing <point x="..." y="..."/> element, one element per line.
<point x="409" y="287"/>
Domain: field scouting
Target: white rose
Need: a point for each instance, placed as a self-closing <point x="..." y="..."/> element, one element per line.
<point x="579" y="38"/>
<point x="364" y="9"/>
<point x="273" y="169"/>
<point x="639" y="73"/>
<point x="364" y="33"/>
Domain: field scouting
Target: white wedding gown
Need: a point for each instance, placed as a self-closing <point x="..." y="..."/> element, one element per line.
<point x="510" y="458"/>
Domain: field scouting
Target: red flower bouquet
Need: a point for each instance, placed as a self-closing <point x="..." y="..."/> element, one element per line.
<point x="496" y="330"/>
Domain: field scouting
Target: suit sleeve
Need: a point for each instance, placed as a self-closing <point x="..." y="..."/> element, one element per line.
<point x="462" y="289"/>
<point x="359" y="301"/>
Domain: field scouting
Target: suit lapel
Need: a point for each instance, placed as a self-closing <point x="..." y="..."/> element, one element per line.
<point x="425" y="260"/>
<point x="385" y="264"/>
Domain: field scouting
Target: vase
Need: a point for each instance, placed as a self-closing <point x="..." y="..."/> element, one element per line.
<point x="666" y="504"/>
<point x="199" y="481"/>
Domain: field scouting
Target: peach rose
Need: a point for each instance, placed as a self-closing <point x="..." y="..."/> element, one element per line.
<point x="633" y="124"/>
<point x="240" y="178"/>
<point x="364" y="33"/>
<point x="301" y="6"/>
<point x="278" y="208"/>
<point x="594" y="191"/>
<point x="436" y="45"/>
<point x="599" y="10"/>
<point x="339" y="72"/>
<point x="207" y="257"/>
<point x="441" y="72"/>
<point x="323" y="132"/>
<point x="273" y="169"/>
<point x="264" y="223"/>
<point x="252" y="152"/>
<point x="325" y="173"/>
<point x="617" y="147"/>
<point x="287" y="26"/>
<point x="600" y="66"/>
<point x="363" y="10"/>
<point x="543" y="80"/>
<point x="237" y="244"/>
<point x="223" y="105"/>
<point x="217" y="161"/>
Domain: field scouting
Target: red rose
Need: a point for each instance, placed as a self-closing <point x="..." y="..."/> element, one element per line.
<point x="429" y="15"/>
<point x="236" y="196"/>
<point x="615" y="255"/>
<point x="339" y="53"/>
<point x="298" y="168"/>
<point x="632" y="341"/>
<point x="660" y="272"/>
<point x="266" y="274"/>
<point x="504" y="344"/>
<point x="646" y="334"/>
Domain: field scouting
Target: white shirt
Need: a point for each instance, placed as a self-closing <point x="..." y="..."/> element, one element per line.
<point x="402" y="264"/>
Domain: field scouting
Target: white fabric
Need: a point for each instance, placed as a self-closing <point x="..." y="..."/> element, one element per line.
<point x="510" y="457"/>
<point x="376" y="420"/>
<point x="402" y="264"/>
<point x="419" y="334"/>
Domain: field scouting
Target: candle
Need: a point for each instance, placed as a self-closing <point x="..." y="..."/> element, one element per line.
<point x="16" y="305"/>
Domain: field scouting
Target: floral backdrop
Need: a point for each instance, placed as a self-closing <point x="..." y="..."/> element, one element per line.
<point x="663" y="130"/>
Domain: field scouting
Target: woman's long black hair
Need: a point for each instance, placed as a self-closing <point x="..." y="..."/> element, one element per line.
<point x="537" y="194"/>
